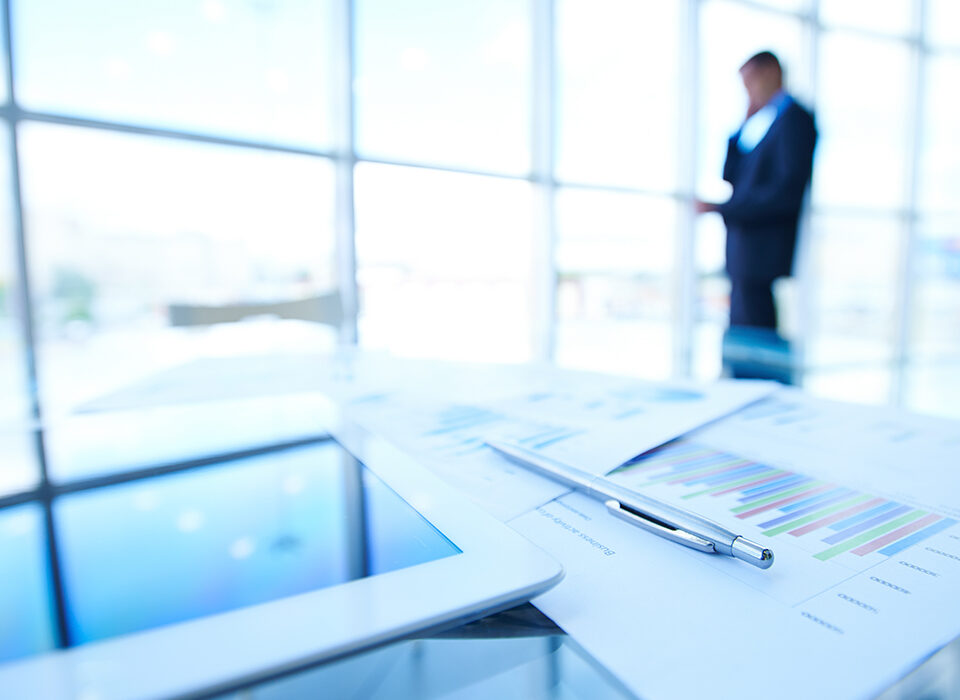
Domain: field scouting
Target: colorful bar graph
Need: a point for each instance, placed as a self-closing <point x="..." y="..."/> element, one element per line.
<point x="697" y="475"/>
<point x="804" y="490"/>
<point x="898" y="547"/>
<point x="865" y="525"/>
<point x="813" y="517"/>
<point x="776" y="487"/>
<point x="868" y="535"/>
<point x="897" y="534"/>
<point x="725" y="486"/>
<point x="883" y="508"/>
<point x="774" y="475"/>
<point x="793" y="515"/>
<point x="830" y="519"/>
<point x="785" y="502"/>
<point x="830" y="496"/>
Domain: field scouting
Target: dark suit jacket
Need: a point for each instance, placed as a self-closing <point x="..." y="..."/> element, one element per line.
<point x="768" y="187"/>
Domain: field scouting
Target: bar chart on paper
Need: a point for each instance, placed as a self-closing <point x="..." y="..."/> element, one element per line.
<point x="826" y="519"/>
<point x="845" y="558"/>
<point x="596" y="422"/>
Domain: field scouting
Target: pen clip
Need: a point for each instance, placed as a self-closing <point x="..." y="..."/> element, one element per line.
<point x="659" y="528"/>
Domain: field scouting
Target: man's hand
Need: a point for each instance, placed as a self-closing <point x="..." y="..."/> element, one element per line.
<point x="702" y="207"/>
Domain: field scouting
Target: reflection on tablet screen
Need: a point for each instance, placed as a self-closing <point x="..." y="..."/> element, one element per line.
<point x="173" y="548"/>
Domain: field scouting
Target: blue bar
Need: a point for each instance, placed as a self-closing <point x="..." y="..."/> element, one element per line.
<point x="923" y="534"/>
<point x="731" y="475"/>
<point x="803" y="511"/>
<point x="773" y="487"/>
<point x="787" y="478"/>
<point x="866" y="525"/>
<point x="819" y="498"/>
<point x="866" y="515"/>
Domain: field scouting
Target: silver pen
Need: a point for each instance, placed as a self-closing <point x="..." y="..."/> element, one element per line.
<point x="667" y="521"/>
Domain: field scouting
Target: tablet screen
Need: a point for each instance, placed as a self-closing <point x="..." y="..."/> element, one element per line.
<point x="167" y="549"/>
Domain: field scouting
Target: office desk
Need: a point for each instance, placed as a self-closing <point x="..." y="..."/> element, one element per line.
<point x="116" y="442"/>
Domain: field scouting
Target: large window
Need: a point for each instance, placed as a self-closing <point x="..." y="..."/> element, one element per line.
<point x="122" y="227"/>
<point x="618" y="79"/>
<point x="444" y="263"/>
<point x="256" y="70"/>
<point x="484" y="179"/>
<point x="445" y="83"/>
<point x="615" y="260"/>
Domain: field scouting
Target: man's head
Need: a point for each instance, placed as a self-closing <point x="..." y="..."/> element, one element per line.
<point x="762" y="77"/>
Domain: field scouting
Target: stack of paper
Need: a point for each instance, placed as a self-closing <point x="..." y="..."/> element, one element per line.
<point x="860" y="505"/>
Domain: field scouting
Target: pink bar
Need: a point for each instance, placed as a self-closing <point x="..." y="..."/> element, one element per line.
<point x="720" y="470"/>
<point x="785" y="501"/>
<point x="836" y="517"/>
<point x="744" y="487"/>
<point x="896" y="534"/>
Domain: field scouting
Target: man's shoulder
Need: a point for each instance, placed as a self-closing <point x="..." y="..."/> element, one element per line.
<point x="798" y="112"/>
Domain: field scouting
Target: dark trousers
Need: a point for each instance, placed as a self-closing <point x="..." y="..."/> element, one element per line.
<point x="751" y="303"/>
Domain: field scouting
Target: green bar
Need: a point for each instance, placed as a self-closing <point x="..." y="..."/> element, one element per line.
<point x="732" y="484"/>
<point x="777" y="496"/>
<point x="815" y="516"/>
<point x="697" y="472"/>
<point x="869" y="535"/>
<point x="657" y="461"/>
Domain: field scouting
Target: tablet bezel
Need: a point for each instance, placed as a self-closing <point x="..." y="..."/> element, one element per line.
<point x="495" y="569"/>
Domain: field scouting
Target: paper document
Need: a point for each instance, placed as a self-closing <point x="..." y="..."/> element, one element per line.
<point x="866" y="573"/>
<point x="595" y="421"/>
<point x="615" y="419"/>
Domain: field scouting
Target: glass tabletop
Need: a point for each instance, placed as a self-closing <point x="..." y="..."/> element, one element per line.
<point x="518" y="653"/>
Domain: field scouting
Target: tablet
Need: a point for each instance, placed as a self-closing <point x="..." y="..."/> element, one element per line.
<point x="212" y="579"/>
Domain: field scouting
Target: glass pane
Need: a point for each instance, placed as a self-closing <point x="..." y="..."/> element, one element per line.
<point x="446" y="83"/>
<point x="935" y="329"/>
<point x="617" y="81"/>
<point x="887" y="16"/>
<point x="4" y="87"/>
<point x="707" y="356"/>
<point x="122" y="228"/>
<point x="939" y="139"/>
<point x="18" y="463"/>
<point x="614" y="259"/>
<point x="259" y="70"/>
<point x="14" y="406"/>
<point x="24" y="587"/>
<point x="864" y="93"/>
<point x="854" y="264"/>
<point x="445" y="263"/>
<point x="18" y="452"/>
<point x="731" y="33"/>
<point x="943" y="22"/>
<point x="713" y="296"/>
<point x="933" y="388"/>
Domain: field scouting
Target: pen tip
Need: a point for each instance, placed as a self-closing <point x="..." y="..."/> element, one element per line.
<point x="752" y="553"/>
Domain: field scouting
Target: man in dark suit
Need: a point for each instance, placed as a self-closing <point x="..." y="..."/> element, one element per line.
<point x="769" y="163"/>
